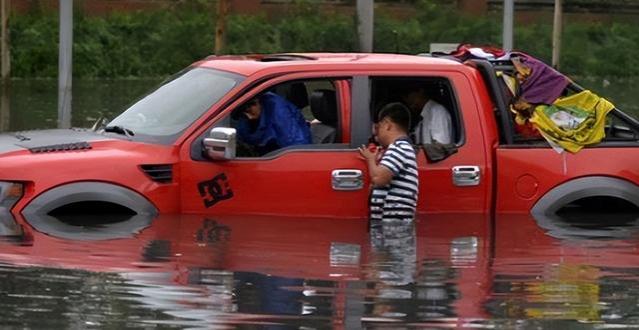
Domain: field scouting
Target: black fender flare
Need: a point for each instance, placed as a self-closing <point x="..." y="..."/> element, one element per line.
<point x="36" y="213"/>
<point x="545" y="210"/>
<point x="53" y="226"/>
<point x="89" y="191"/>
<point x="584" y="187"/>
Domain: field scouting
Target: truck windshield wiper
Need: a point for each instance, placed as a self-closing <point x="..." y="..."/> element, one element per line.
<point x="119" y="130"/>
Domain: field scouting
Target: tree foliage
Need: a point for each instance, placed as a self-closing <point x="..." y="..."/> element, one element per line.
<point x="158" y="43"/>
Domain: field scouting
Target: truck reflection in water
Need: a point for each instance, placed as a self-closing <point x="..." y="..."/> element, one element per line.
<point x="181" y="271"/>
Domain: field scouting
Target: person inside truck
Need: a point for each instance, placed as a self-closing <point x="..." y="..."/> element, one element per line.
<point x="431" y="122"/>
<point x="270" y="122"/>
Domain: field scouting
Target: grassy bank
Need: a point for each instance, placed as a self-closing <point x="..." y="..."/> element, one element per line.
<point x="159" y="43"/>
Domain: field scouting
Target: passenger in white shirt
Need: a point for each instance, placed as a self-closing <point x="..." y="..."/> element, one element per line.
<point x="433" y="121"/>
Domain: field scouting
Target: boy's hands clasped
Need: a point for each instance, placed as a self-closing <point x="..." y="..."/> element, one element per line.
<point x="369" y="153"/>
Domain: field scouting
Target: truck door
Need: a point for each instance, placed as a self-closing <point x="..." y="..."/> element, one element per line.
<point x="460" y="182"/>
<point x="325" y="178"/>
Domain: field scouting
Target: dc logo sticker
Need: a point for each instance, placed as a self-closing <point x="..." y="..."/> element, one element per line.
<point x="215" y="190"/>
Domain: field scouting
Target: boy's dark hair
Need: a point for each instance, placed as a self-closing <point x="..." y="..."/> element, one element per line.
<point x="398" y="113"/>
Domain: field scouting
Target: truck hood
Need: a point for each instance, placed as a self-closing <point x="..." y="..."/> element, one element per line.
<point x="49" y="140"/>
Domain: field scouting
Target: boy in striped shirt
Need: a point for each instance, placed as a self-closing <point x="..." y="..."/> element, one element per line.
<point x="394" y="179"/>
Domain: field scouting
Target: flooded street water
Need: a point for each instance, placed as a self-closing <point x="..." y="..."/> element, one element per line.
<point x="189" y="271"/>
<point x="33" y="103"/>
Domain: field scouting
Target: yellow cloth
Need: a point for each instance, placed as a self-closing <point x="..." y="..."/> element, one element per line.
<point x="589" y="131"/>
<point x="565" y="291"/>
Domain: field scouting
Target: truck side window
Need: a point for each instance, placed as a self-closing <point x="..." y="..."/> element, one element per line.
<point x="291" y="115"/>
<point x="434" y="113"/>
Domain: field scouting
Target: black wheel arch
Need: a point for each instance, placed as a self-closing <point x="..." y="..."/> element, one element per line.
<point x="546" y="210"/>
<point x="77" y="192"/>
<point x="584" y="187"/>
<point x="37" y="212"/>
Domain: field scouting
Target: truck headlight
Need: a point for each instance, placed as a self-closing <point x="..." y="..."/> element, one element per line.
<point x="10" y="193"/>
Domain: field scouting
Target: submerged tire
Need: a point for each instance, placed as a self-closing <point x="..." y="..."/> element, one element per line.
<point x="37" y="212"/>
<point x="89" y="192"/>
<point x="548" y="216"/>
<point x="55" y="227"/>
<point x="593" y="186"/>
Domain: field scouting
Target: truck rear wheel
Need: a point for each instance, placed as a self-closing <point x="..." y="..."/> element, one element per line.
<point x="589" y="207"/>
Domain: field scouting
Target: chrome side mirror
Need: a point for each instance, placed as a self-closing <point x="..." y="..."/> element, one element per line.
<point x="221" y="143"/>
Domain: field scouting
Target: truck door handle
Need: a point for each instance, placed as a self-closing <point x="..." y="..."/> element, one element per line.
<point x="466" y="175"/>
<point x="347" y="179"/>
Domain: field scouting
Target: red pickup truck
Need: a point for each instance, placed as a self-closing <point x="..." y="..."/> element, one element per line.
<point x="176" y="150"/>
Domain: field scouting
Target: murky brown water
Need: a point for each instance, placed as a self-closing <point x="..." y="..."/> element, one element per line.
<point x="189" y="271"/>
<point x="33" y="103"/>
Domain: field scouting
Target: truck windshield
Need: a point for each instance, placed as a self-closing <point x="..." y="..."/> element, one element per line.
<point x="164" y="113"/>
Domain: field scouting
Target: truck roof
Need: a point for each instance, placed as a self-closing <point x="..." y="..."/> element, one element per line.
<point x="250" y="64"/>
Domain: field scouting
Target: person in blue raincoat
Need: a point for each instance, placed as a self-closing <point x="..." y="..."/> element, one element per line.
<point x="270" y="122"/>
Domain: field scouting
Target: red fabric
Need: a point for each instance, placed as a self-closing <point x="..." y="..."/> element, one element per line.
<point x="463" y="51"/>
<point x="527" y="130"/>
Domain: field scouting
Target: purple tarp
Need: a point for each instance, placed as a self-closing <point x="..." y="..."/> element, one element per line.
<point x="544" y="85"/>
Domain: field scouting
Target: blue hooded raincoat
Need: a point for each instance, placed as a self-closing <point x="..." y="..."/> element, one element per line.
<point x="280" y="125"/>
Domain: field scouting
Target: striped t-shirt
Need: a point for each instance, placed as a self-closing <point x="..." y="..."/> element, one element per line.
<point x="398" y="199"/>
